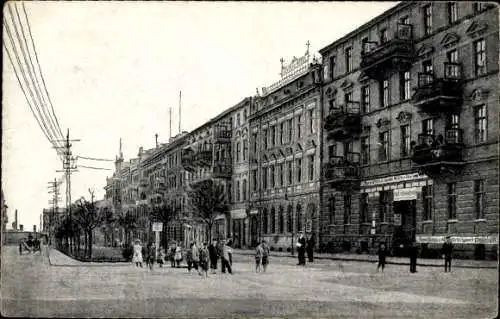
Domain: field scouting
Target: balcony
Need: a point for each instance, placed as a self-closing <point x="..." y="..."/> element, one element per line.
<point x="223" y="133"/>
<point x="203" y="158"/>
<point x="395" y="54"/>
<point x="342" y="172"/>
<point x="439" y="94"/>
<point x="187" y="159"/>
<point x="343" y="122"/>
<point x="432" y="153"/>
<point x="222" y="170"/>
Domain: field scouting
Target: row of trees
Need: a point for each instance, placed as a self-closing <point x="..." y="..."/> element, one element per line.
<point x="207" y="199"/>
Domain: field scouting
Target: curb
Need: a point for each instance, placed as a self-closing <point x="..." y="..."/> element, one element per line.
<point x="374" y="261"/>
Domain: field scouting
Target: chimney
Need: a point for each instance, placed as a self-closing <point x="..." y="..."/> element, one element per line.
<point x="21" y="227"/>
<point x="34" y="228"/>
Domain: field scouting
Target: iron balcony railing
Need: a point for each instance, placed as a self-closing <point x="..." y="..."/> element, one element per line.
<point x="452" y="136"/>
<point x="452" y="72"/>
<point x="404" y="32"/>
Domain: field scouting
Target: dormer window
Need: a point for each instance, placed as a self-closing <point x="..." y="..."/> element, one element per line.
<point x="383" y="36"/>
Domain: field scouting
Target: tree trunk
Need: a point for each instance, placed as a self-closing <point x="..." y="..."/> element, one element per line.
<point x="209" y="232"/>
<point x="90" y="244"/>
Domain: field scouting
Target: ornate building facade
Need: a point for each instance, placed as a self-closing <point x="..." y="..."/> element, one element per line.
<point x="411" y="134"/>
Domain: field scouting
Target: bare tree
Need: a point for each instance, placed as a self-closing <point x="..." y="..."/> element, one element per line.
<point x="89" y="218"/>
<point x="164" y="214"/>
<point x="208" y="200"/>
<point x="129" y="223"/>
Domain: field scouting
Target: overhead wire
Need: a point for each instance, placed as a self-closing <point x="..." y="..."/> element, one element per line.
<point x="92" y="167"/>
<point x="95" y="159"/>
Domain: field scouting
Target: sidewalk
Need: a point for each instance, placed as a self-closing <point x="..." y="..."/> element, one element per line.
<point x="57" y="258"/>
<point x="425" y="262"/>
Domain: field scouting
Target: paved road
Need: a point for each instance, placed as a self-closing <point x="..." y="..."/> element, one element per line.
<point x="33" y="287"/>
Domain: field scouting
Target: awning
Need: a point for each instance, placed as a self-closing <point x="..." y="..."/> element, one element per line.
<point x="238" y="213"/>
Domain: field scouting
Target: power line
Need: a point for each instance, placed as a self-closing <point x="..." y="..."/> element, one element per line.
<point x="96" y="159"/>
<point x="91" y="167"/>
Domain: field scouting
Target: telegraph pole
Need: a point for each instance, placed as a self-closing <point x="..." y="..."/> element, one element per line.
<point x="68" y="168"/>
<point x="53" y="189"/>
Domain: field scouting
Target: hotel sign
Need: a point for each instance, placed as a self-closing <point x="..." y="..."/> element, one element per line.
<point x="295" y="64"/>
<point x="487" y="240"/>
<point x="401" y="194"/>
<point x="393" y="179"/>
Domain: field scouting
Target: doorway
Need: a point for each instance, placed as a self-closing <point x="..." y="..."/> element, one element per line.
<point x="404" y="223"/>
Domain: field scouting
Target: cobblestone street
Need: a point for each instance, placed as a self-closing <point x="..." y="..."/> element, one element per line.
<point x="33" y="287"/>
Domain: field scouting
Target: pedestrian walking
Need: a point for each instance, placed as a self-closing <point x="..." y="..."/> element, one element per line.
<point x="259" y="252"/>
<point x="138" y="253"/>
<point x="214" y="256"/>
<point x="310" y="247"/>
<point x="172" y="255"/>
<point x="204" y="259"/>
<point x="189" y="257"/>
<point x="151" y="252"/>
<point x="225" y="259"/>
<point x="161" y="257"/>
<point x="301" y="249"/>
<point x="229" y="243"/>
<point x="413" y="257"/>
<point x="382" y="253"/>
<point x="178" y="256"/>
<point x="265" y="255"/>
<point x="447" y="250"/>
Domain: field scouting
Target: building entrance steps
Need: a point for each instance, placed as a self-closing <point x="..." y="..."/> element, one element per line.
<point x="424" y="262"/>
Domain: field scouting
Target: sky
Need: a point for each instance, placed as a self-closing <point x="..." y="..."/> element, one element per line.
<point x="113" y="70"/>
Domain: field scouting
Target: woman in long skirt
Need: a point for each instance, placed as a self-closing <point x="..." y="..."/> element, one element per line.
<point x="137" y="253"/>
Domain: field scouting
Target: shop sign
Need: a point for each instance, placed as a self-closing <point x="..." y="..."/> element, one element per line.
<point x="141" y="202"/>
<point x="393" y="179"/>
<point x="157" y="226"/>
<point x="401" y="194"/>
<point x="487" y="240"/>
<point x="397" y="220"/>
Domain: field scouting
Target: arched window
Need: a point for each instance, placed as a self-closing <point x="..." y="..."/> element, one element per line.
<point x="299" y="218"/>
<point x="281" y="220"/>
<point x="244" y="189"/>
<point x="331" y="209"/>
<point x="290" y="218"/>
<point x="273" y="220"/>
<point x="264" y="221"/>
<point x="237" y="191"/>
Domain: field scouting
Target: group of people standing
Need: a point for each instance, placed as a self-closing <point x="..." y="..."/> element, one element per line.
<point x="304" y="246"/>
<point x="199" y="259"/>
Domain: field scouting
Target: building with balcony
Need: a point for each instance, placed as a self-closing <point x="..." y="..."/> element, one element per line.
<point x="285" y="155"/>
<point x="410" y="146"/>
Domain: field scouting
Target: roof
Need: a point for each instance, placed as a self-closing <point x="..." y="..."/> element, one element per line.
<point x="367" y="25"/>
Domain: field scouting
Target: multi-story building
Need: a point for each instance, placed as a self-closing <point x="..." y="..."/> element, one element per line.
<point x="285" y="155"/>
<point x="411" y="129"/>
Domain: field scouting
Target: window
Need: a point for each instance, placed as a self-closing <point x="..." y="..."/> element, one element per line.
<point x="265" y="221"/>
<point x="479" y="196"/>
<point x="311" y="167"/>
<point x="282" y="130"/>
<point x="332" y="66"/>
<point x="384" y="93"/>
<point x="273" y="221"/>
<point x="273" y="136"/>
<point x="385" y="205"/>
<point x="452" y="201"/>
<point x="383" y="140"/>
<point x="272" y="176"/>
<point x="264" y="139"/>
<point x="238" y="152"/>
<point x="290" y="129"/>
<point x="452" y="12"/>
<point x="331" y="209"/>
<point x="290" y="173"/>
<point x="452" y="57"/>
<point x="405" y="85"/>
<point x="427" y="67"/>
<point x="332" y="150"/>
<point x="405" y="20"/>
<point x="428" y="126"/>
<point x="480" y="57"/>
<point x="238" y="119"/>
<point x="428" y="19"/>
<point x="348" y="97"/>
<point x="281" y="220"/>
<point x="264" y="178"/>
<point x="348" y="59"/>
<point x="363" y="204"/>
<point x="254" y="180"/>
<point x="311" y="121"/>
<point x="479" y="6"/>
<point x="289" y="216"/>
<point x="299" y="218"/>
<point x="237" y="191"/>
<point x="298" y="163"/>
<point x="244" y="189"/>
<point x="347" y="209"/>
<point x="365" y="98"/>
<point x="427" y="202"/>
<point x="254" y="143"/>
<point x="405" y="140"/>
<point x="299" y="124"/>
<point x="245" y="149"/>
<point x="347" y="147"/>
<point x="332" y="105"/>
<point x="383" y="36"/>
<point x="365" y="150"/>
<point x="480" y="124"/>
<point x="281" y="167"/>
<point x="244" y="115"/>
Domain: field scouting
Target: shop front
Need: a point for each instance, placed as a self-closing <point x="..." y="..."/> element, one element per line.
<point x="239" y="222"/>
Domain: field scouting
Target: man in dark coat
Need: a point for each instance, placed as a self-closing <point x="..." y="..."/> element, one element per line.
<point x="213" y="255"/>
<point x="447" y="251"/>
<point x="382" y="253"/>
<point x="301" y="249"/>
<point x="310" y="247"/>
<point x="413" y="257"/>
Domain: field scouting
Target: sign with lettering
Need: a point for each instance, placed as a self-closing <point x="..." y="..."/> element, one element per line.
<point x="157" y="226"/>
<point x="294" y="65"/>
<point x="487" y="240"/>
<point x="394" y="179"/>
<point x="397" y="220"/>
<point x="401" y="194"/>
<point x="308" y="226"/>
